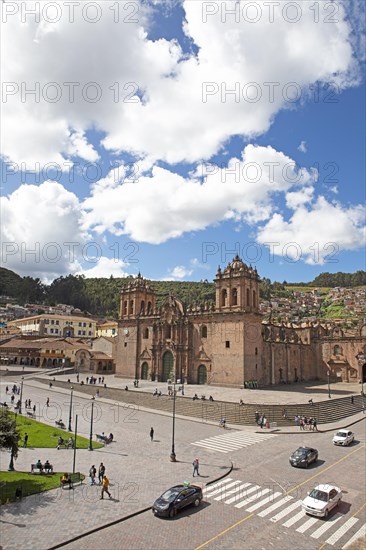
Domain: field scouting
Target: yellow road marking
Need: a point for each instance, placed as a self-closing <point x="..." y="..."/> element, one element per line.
<point x="225" y="531"/>
<point x="359" y="510"/>
<point x="325" y="469"/>
<point x="288" y="492"/>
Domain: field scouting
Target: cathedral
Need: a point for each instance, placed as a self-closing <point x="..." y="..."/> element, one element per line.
<point x="228" y="344"/>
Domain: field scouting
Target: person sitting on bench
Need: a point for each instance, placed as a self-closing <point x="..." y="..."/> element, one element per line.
<point x="60" y="441"/>
<point x="39" y="465"/>
<point x="47" y="467"/>
<point x="70" y="443"/>
<point x="66" y="480"/>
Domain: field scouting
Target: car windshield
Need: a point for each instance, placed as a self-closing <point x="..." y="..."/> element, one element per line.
<point x="319" y="495"/>
<point x="170" y="494"/>
<point x="341" y="434"/>
<point x="300" y="452"/>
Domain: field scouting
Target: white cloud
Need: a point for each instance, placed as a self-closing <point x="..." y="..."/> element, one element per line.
<point x="105" y="267"/>
<point x="298" y="198"/>
<point x="41" y="230"/>
<point x="316" y="234"/>
<point x="179" y="272"/>
<point x="170" y="119"/>
<point x="302" y="147"/>
<point x="165" y="205"/>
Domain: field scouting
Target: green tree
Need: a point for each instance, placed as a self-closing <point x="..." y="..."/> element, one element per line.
<point x="9" y="435"/>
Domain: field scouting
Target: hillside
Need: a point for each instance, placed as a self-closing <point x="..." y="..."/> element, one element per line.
<point x="100" y="296"/>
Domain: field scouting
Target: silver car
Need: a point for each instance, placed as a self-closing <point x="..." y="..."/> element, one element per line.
<point x="321" y="500"/>
<point x="343" y="437"/>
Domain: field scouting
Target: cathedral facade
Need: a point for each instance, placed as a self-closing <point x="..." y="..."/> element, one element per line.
<point x="227" y="344"/>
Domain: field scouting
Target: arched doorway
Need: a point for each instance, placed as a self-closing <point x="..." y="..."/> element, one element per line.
<point x="202" y="374"/>
<point x="144" y="370"/>
<point x="168" y="365"/>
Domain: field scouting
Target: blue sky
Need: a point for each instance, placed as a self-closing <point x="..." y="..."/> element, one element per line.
<point x="169" y="172"/>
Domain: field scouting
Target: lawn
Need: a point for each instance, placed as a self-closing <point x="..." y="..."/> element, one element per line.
<point x="44" y="436"/>
<point x="30" y="484"/>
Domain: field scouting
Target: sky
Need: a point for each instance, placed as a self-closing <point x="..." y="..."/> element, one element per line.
<point x="167" y="137"/>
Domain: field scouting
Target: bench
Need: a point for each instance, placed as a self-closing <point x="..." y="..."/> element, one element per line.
<point x="65" y="445"/>
<point x="103" y="439"/>
<point x="60" y="424"/>
<point x="41" y="471"/>
<point x="76" y="477"/>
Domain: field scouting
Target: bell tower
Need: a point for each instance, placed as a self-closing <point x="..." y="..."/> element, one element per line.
<point x="237" y="288"/>
<point x="137" y="298"/>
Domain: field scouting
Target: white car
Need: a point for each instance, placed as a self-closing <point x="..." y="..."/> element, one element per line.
<point x="343" y="437"/>
<point x="321" y="500"/>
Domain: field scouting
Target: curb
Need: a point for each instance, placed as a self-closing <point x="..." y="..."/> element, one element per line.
<point x="335" y="428"/>
<point x="124" y="518"/>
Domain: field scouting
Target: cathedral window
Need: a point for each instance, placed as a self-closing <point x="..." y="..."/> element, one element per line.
<point x="248" y="297"/>
<point x="146" y="333"/>
<point x="234" y="297"/>
<point x="227" y="344"/>
<point x="224" y="297"/>
<point x="204" y="331"/>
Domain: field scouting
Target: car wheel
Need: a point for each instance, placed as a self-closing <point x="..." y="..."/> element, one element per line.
<point x="326" y="513"/>
<point x="197" y="502"/>
<point x="172" y="513"/>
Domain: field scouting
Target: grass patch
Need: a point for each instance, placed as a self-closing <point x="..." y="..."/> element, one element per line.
<point x="30" y="484"/>
<point x="44" y="436"/>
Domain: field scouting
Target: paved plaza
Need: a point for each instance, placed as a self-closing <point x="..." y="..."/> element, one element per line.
<point x="140" y="470"/>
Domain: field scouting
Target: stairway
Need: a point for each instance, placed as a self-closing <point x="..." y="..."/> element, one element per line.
<point x="324" y="411"/>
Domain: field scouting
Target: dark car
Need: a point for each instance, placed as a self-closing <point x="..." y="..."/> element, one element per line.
<point x="303" y="456"/>
<point x="176" y="498"/>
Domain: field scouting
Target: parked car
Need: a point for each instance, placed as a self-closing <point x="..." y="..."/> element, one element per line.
<point x="321" y="500"/>
<point x="176" y="498"/>
<point x="303" y="456"/>
<point x="343" y="437"/>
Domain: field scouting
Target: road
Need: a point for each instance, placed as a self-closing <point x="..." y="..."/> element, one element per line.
<point x="256" y="506"/>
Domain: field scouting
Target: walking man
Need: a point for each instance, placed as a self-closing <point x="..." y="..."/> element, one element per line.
<point x="105" y="485"/>
<point x="92" y="474"/>
<point x="25" y="440"/>
<point x="48" y="402"/>
<point x="195" y="465"/>
<point x="152" y="434"/>
<point x="101" y="473"/>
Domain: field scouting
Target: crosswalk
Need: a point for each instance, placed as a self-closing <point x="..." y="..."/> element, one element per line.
<point x="230" y="442"/>
<point x="287" y="510"/>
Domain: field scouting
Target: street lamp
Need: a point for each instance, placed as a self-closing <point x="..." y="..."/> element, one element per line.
<point x="70" y="412"/>
<point x="329" y="384"/>
<point x="173" y="457"/>
<point x="91" y="428"/>
<point x="11" y="463"/>
<point x="21" y="395"/>
<point x="76" y="432"/>
<point x="361" y="362"/>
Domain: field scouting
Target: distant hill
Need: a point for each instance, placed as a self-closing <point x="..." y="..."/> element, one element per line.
<point x="100" y="296"/>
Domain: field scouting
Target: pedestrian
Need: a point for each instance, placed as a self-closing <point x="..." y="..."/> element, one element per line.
<point x="195" y="465"/>
<point x="352" y="399"/>
<point x="257" y="416"/>
<point x="6" y="389"/>
<point x="25" y="439"/>
<point x="101" y="472"/>
<point x="77" y="378"/>
<point x="105" y="485"/>
<point x="302" y="424"/>
<point x="87" y="379"/>
<point x="92" y="474"/>
<point x="34" y="409"/>
<point x="261" y="420"/>
<point x="103" y="380"/>
<point x="48" y="402"/>
<point x="152" y="434"/>
<point x="284" y="413"/>
<point x="296" y="420"/>
<point x="315" y="425"/>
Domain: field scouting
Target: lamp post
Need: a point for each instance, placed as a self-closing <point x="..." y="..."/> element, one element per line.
<point x="91" y="428"/>
<point x="329" y="384"/>
<point x="11" y="463"/>
<point x="76" y="430"/>
<point x="21" y="395"/>
<point x="173" y="457"/>
<point x="70" y="411"/>
<point x="361" y="362"/>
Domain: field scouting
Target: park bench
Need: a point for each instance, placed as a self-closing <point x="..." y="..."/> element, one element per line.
<point x="60" y="424"/>
<point x="65" y="445"/>
<point x="103" y="439"/>
<point x="35" y="469"/>
<point x="76" y="477"/>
